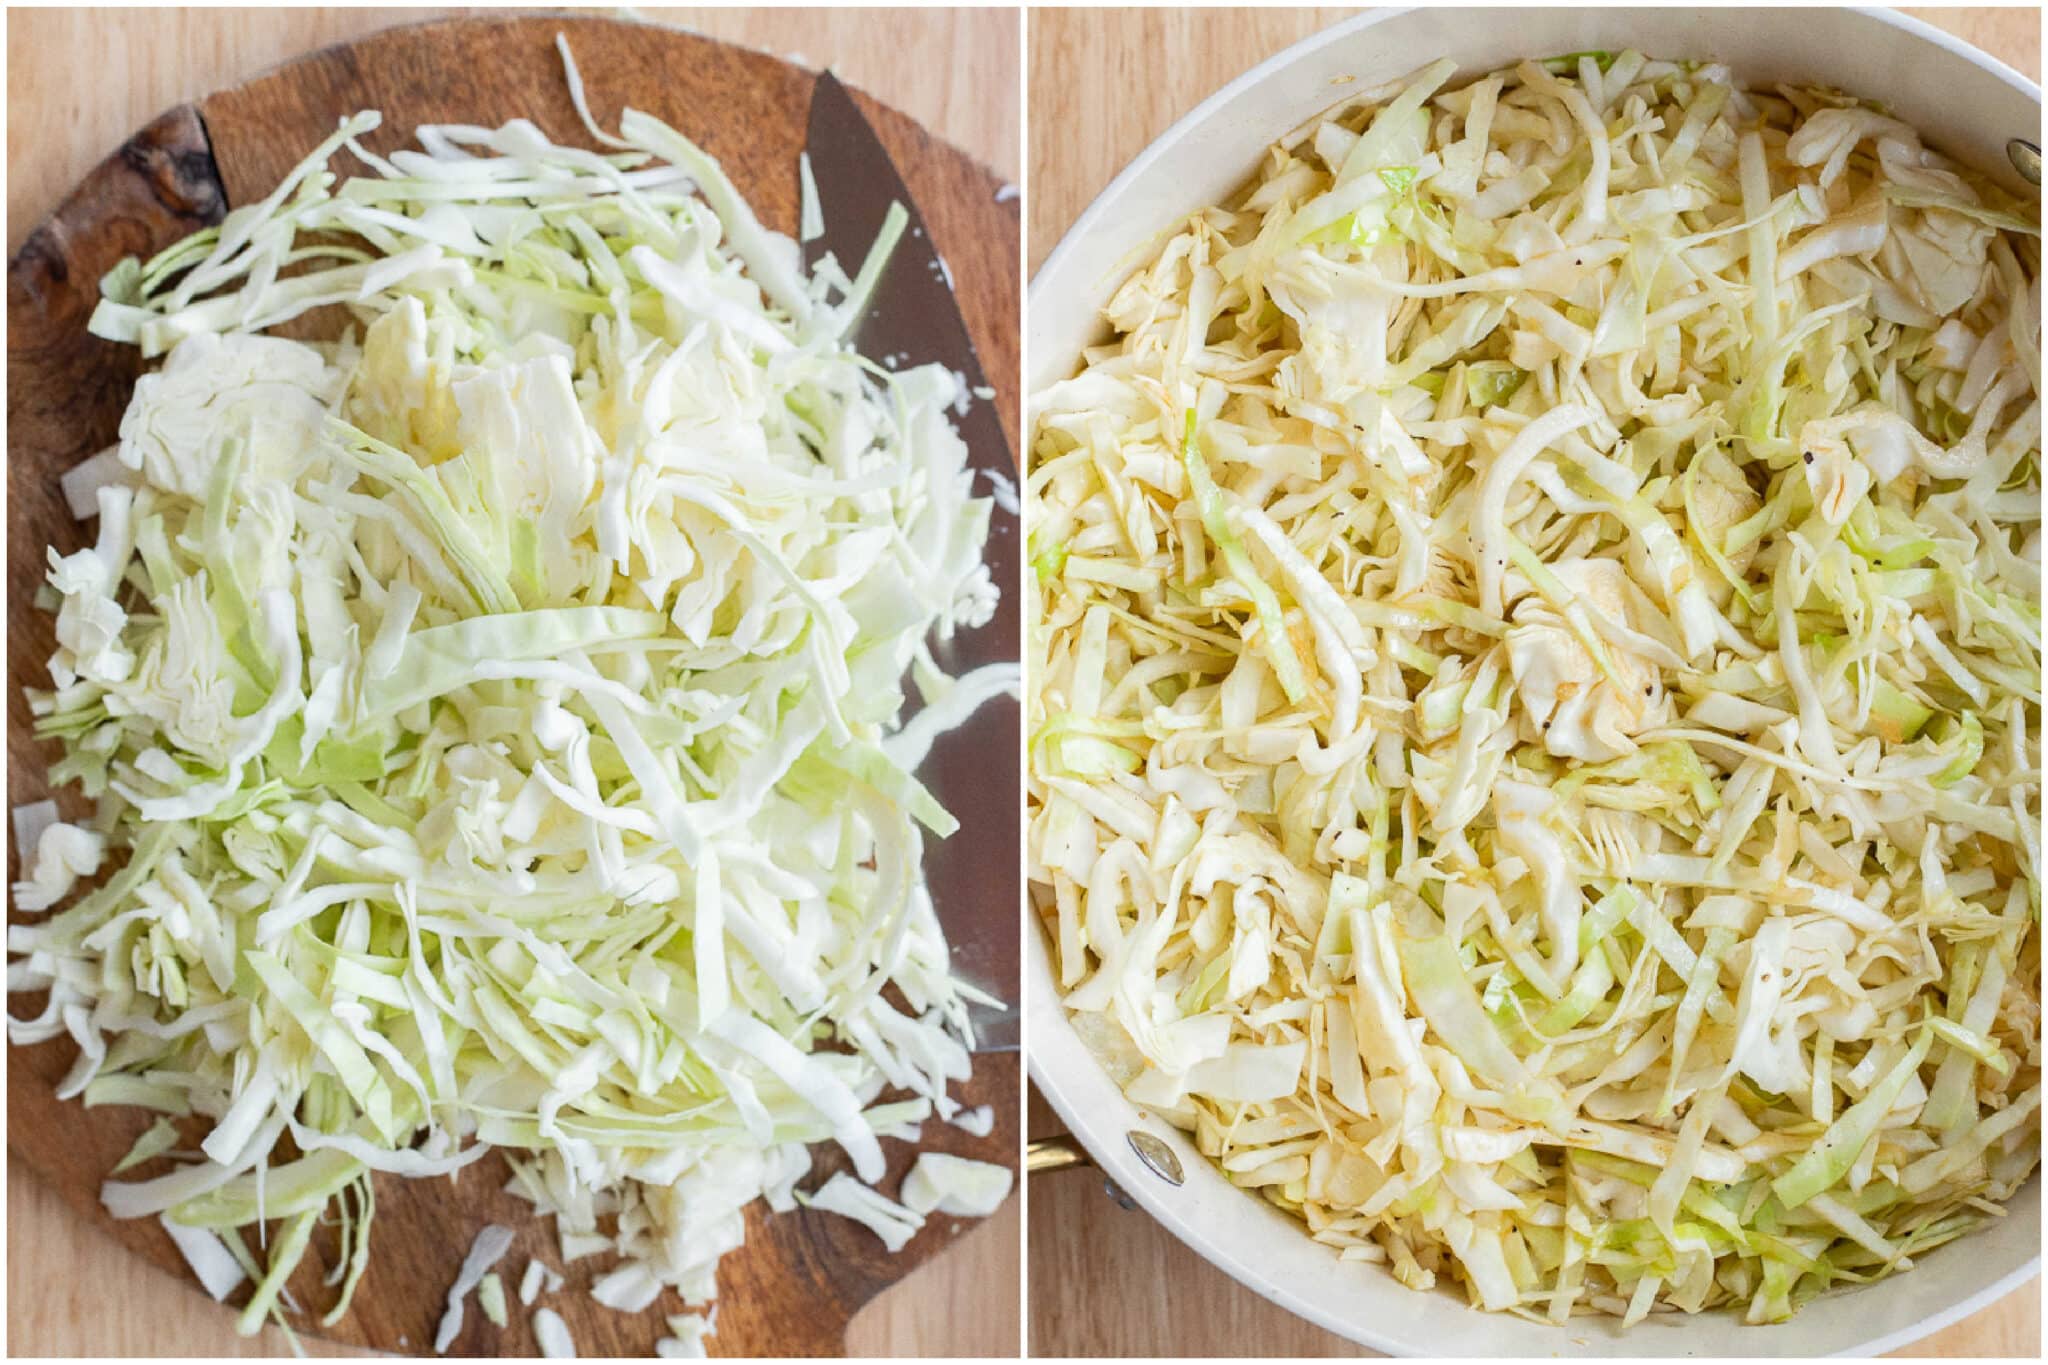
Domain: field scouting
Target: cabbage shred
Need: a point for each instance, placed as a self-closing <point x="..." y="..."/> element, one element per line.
<point x="489" y="715"/>
<point x="1536" y="688"/>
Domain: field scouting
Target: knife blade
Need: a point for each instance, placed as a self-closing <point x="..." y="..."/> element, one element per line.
<point x="913" y="318"/>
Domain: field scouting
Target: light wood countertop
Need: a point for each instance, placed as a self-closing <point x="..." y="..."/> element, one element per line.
<point x="1103" y="84"/>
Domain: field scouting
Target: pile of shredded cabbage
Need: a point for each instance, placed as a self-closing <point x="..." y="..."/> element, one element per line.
<point x="495" y="718"/>
<point x="1535" y="751"/>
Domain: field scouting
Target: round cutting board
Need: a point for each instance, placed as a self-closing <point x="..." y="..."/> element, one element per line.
<point x="801" y="1276"/>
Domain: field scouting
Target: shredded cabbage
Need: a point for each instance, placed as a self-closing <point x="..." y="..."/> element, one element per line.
<point x="497" y="717"/>
<point x="551" y="1334"/>
<point x="1536" y="687"/>
<point x="942" y="1183"/>
<point x="539" y="1276"/>
<point x="490" y="1297"/>
<point x="213" y="1264"/>
<point x="488" y="1248"/>
<point x="894" y="1223"/>
<point x="686" y="1336"/>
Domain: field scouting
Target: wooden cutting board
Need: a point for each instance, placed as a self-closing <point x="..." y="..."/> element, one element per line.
<point x="799" y="1279"/>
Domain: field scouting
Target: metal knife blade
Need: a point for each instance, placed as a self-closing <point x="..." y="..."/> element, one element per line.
<point x="913" y="319"/>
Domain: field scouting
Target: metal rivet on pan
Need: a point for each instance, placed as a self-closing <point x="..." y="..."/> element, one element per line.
<point x="1117" y="1195"/>
<point x="1157" y="1156"/>
<point x="2026" y="159"/>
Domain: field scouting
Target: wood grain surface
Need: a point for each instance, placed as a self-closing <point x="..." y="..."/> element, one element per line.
<point x="800" y="1279"/>
<point x="1106" y="1282"/>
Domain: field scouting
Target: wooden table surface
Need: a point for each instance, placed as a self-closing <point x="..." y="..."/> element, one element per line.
<point x="78" y="82"/>
<point x="1105" y="1281"/>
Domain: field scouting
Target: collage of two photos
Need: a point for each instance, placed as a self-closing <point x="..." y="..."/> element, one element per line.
<point x="514" y="750"/>
<point x="1067" y="682"/>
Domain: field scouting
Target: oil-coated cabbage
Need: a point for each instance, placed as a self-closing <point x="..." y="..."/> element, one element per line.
<point x="1536" y="687"/>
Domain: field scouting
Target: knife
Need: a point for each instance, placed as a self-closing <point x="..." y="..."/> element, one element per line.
<point x="912" y="318"/>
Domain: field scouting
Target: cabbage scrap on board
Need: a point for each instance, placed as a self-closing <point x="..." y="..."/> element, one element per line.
<point x="495" y="718"/>
<point x="1536" y="688"/>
